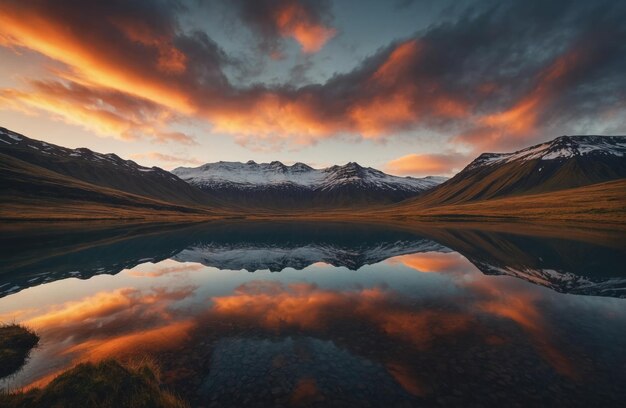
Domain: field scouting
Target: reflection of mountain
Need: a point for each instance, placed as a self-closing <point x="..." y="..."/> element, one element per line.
<point x="252" y="256"/>
<point x="566" y="265"/>
<point x="36" y="257"/>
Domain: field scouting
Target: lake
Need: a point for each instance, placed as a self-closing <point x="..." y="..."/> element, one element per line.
<point x="331" y="314"/>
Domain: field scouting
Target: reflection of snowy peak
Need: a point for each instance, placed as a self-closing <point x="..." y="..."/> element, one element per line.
<point x="560" y="281"/>
<point x="253" y="257"/>
<point x="277" y="184"/>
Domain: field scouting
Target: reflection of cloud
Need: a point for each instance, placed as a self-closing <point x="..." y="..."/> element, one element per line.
<point x="146" y="341"/>
<point x="125" y="321"/>
<point x="405" y="377"/>
<point x="156" y="270"/>
<point x="518" y="304"/>
<point x="304" y="392"/>
<point x="128" y="321"/>
<point x="306" y="307"/>
<point x="432" y="262"/>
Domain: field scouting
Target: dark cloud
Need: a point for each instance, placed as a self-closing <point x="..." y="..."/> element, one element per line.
<point x="499" y="75"/>
<point x="306" y="21"/>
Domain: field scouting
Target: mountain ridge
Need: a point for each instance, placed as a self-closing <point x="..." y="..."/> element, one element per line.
<point x="562" y="163"/>
<point x="103" y="170"/>
<point x="276" y="185"/>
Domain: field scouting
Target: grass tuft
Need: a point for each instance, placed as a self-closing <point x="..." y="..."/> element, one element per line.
<point x="15" y="344"/>
<point x="107" y="384"/>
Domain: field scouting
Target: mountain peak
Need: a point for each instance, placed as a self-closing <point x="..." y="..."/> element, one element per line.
<point x="301" y="167"/>
<point x="561" y="148"/>
<point x="352" y="165"/>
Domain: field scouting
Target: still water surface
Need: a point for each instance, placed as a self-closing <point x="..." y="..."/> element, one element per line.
<point x="287" y="314"/>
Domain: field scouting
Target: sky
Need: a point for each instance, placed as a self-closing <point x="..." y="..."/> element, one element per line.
<point x="406" y="86"/>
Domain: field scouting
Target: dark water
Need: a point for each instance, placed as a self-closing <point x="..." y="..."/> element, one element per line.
<point x="293" y="314"/>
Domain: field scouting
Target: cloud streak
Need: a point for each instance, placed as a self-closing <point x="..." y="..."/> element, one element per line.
<point x="105" y="111"/>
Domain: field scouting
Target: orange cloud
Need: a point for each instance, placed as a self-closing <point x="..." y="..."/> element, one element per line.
<point x="427" y="164"/>
<point x="143" y="52"/>
<point x="170" y="59"/>
<point x="120" y="52"/>
<point x="168" y="159"/>
<point x="103" y="64"/>
<point x="103" y="110"/>
<point x="517" y="124"/>
<point x="293" y="20"/>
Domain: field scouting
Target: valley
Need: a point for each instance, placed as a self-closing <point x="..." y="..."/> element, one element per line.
<point x="569" y="179"/>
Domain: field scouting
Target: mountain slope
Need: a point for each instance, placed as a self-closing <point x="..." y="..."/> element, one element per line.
<point x="103" y="170"/>
<point x="598" y="203"/>
<point x="30" y="192"/>
<point x="275" y="185"/>
<point x="565" y="162"/>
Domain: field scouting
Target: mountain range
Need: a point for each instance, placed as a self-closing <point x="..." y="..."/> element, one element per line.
<point x="276" y="185"/>
<point x="585" y="174"/>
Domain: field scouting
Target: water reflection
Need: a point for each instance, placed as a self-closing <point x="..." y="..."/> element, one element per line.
<point x="420" y="320"/>
<point x="590" y="263"/>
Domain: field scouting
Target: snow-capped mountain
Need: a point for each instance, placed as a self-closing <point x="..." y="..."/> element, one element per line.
<point x="564" y="162"/>
<point x="560" y="149"/>
<point x="97" y="169"/>
<point x="277" y="185"/>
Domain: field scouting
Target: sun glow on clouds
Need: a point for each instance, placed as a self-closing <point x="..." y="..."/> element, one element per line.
<point x="293" y="20"/>
<point x="427" y="164"/>
<point x="468" y="92"/>
<point x="104" y="111"/>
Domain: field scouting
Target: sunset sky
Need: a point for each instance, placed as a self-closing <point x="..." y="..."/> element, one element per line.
<point x="409" y="87"/>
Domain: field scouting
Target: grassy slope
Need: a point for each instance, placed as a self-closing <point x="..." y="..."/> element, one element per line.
<point x="30" y="192"/>
<point x="520" y="179"/>
<point x="107" y="384"/>
<point x="603" y="202"/>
